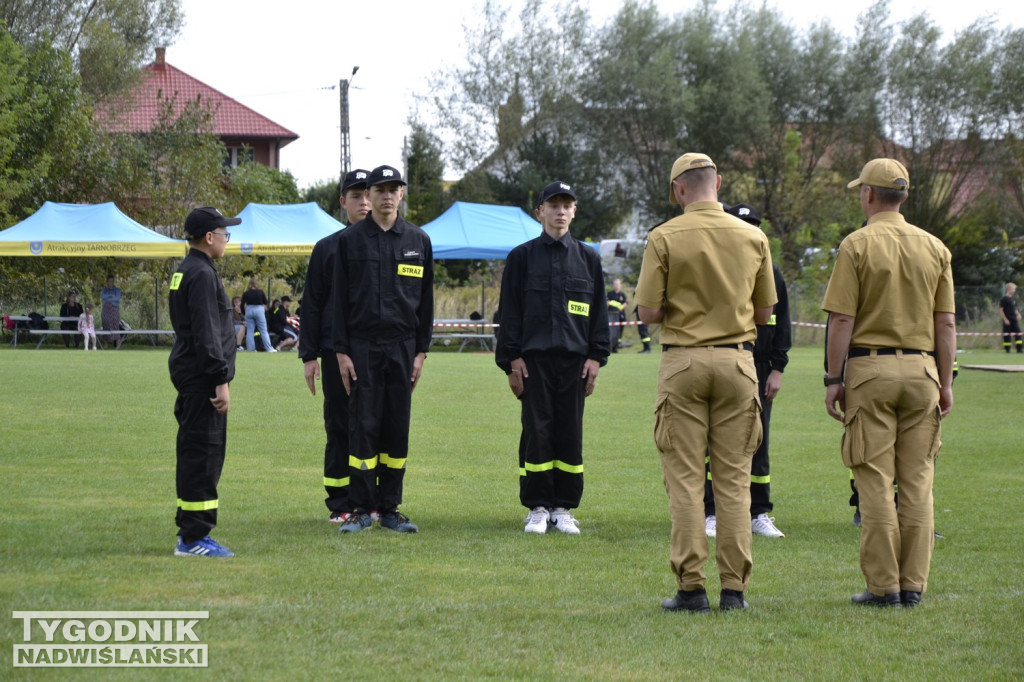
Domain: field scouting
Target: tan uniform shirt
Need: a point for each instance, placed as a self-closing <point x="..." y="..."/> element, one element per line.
<point x="891" y="276"/>
<point x="712" y="270"/>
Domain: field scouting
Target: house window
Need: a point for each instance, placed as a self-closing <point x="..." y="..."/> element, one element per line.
<point x="237" y="155"/>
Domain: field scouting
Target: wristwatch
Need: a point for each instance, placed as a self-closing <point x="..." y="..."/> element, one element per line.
<point x="832" y="381"/>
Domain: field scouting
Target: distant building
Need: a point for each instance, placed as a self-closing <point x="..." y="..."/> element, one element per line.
<point x="238" y="126"/>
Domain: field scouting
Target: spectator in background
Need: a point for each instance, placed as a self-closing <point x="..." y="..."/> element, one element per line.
<point x="70" y="308"/>
<point x="111" y="313"/>
<point x="254" y="303"/>
<point x="238" y="318"/>
<point x="280" y="324"/>
<point x="87" y="327"/>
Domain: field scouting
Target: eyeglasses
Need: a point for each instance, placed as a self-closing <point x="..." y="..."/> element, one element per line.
<point x="226" y="235"/>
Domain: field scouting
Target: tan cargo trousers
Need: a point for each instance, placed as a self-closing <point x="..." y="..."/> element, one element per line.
<point x="892" y="431"/>
<point x="707" y="400"/>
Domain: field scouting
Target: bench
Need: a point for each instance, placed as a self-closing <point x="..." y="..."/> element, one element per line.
<point x="25" y="318"/>
<point x="151" y="333"/>
<point x="466" y="331"/>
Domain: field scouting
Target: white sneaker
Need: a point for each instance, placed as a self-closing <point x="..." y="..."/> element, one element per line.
<point x="710" y="527"/>
<point x="562" y="519"/>
<point x="762" y="524"/>
<point x="271" y="350"/>
<point x="537" y="521"/>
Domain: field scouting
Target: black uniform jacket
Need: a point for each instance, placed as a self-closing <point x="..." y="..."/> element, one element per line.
<point x="775" y="340"/>
<point x="203" y="356"/>
<point x="383" y="285"/>
<point x="317" y="302"/>
<point x="552" y="301"/>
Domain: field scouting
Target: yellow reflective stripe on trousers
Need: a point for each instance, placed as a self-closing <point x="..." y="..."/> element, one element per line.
<point x="335" y="482"/>
<point x="760" y="479"/>
<point x="568" y="468"/>
<point x="362" y="464"/>
<point x="548" y="466"/>
<point x="392" y="462"/>
<point x="203" y="505"/>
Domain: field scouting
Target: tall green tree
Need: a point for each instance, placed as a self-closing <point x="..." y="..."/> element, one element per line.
<point x="424" y="173"/>
<point x="44" y="127"/>
<point x="325" y="194"/>
<point x="110" y="39"/>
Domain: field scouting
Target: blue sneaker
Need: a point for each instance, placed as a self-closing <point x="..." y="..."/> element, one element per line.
<point x="392" y="520"/>
<point x="202" y="547"/>
<point x="356" y="522"/>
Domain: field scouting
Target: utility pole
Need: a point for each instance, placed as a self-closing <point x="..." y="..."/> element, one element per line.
<point x="346" y="148"/>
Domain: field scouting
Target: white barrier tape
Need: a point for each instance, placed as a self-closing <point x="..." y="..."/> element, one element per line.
<point x="819" y="325"/>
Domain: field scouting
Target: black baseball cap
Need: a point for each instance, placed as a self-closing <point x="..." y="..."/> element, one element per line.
<point x="744" y="212"/>
<point x="206" y="219"/>
<point x="384" y="174"/>
<point x="554" y="189"/>
<point x="355" y="179"/>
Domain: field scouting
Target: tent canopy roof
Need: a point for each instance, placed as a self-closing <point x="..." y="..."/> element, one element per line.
<point x="483" y="231"/>
<point x="85" y="230"/>
<point x="282" y="229"/>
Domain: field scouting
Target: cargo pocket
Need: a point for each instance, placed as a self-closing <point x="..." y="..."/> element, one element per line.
<point x="853" y="439"/>
<point x="747" y="369"/>
<point x="663" y="409"/>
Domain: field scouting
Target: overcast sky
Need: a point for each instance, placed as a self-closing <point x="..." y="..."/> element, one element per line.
<point x="285" y="60"/>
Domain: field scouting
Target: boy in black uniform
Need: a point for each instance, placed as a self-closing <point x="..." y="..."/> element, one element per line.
<point x="1011" y="319"/>
<point x="315" y="342"/>
<point x="382" y="326"/>
<point x="202" y="364"/>
<point x="553" y="340"/>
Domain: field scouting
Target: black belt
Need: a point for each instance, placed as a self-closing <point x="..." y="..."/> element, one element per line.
<point x="863" y="352"/>
<point x="735" y="346"/>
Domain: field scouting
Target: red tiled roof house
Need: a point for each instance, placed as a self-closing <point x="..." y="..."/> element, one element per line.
<point x="235" y="124"/>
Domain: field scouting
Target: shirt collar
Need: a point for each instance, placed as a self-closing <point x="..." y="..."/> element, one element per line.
<point x="704" y="206"/>
<point x="565" y="241"/>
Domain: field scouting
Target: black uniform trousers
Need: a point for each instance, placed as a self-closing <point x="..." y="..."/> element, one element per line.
<point x="760" y="479"/>
<point x="1011" y="334"/>
<point x="202" y="434"/>
<point x="551" y="444"/>
<point x="336" y="477"/>
<point x="379" y="409"/>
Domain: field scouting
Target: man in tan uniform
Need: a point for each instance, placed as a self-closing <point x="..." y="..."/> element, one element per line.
<point x="707" y="278"/>
<point x="890" y="304"/>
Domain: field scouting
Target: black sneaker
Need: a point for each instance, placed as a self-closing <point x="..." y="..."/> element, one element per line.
<point x="694" y="601"/>
<point x="392" y="520"/>
<point x="868" y="599"/>
<point x="732" y="599"/>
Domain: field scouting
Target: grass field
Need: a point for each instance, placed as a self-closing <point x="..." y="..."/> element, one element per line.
<point x="87" y="503"/>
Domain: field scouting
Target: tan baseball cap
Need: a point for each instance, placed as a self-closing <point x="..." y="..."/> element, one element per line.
<point x="687" y="162"/>
<point x="888" y="173"/>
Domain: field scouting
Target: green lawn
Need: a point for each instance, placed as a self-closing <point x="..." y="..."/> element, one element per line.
<point x="87" y="503"/>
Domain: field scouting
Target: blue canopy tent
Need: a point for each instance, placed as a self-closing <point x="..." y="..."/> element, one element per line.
<point x="85" y="230"/>
<point x="480" y="231"/>
<point x="281" y="230"/>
